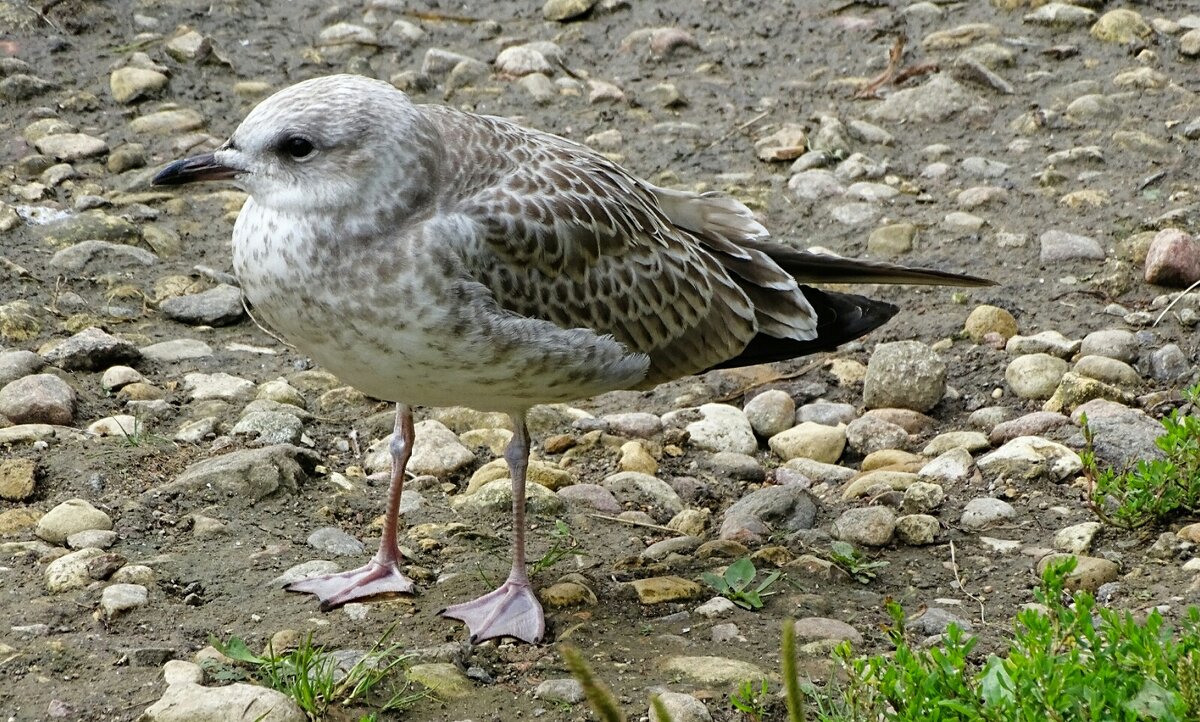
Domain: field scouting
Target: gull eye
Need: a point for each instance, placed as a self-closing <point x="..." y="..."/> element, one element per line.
<point x="297" y="147"/>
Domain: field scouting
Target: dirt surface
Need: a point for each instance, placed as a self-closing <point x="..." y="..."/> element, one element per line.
<point x="757" y="65"/>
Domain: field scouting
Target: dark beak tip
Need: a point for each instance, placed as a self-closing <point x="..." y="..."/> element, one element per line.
<point x="189" y="170"/>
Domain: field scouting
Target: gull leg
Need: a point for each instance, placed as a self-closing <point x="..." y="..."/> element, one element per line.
<point x="382" y="574"/>
<point x="512" y="610"/>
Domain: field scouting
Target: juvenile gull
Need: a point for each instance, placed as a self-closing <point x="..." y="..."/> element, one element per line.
<point x="435" y="257"/>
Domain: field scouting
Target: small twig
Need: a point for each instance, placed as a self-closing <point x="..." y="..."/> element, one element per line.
<point x="1170" y="305"/>
<point x="895" y="57"/>
<point x="961" y="585"/>
<point x="631" y="522"/>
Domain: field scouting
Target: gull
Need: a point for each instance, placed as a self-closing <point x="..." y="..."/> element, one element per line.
<point x="434" y="257"/>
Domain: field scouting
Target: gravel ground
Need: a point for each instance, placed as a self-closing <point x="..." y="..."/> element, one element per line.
<point x="166" y="462"/>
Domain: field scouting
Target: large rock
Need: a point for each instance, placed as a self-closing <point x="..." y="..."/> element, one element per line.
<point x="187" y="701"/>
<point x="1027" y="458"/>
<point x="38" y="399"/>
<point x="250" y="474"/>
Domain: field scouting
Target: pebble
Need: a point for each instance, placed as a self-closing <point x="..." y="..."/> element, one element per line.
<point x="129" y="84"/>
<point x="826" y="413"/>
<point x="868" y="434"/>
<point x="938" y="99"/>
<point x="18" y="479"/>
<point x="1120" y="435"/>
<point x="332" y="540"/>
<point x="1090" y="572"/>
<point x="871" y="482"/>
<point x="983" y="512"/>
<point x="1169" y="363"/>
<point x="869" y="526"/>
<point x="679" y="707"/>
<point x="563" y="595"/>
<point x="90" y="350"/>
<point x="723" y="428"/>
<point x="187" y="701"/>
<point x="810" y="441"/>
<point x="716" y="608"/>
<point x="270" y="427"/>
<point x="1058" y="246"/>
<point x="1035" y="375"/>
<point x="659" y="590"/>
<point x="592" y="495"/>
<point x="1049" y="342"/>
<point x="716" y="671"/>
<point x="95" y="538"/>
<point x="1030" y="458"/>
<point x="917" y="529"/>
<point x="496" y="496"/>
<point x="247" y="474"/>
<point x="1121" y="26"/>
<point x="1173" y="259"/>
<point x="637" y="424"/>
<point x="305" y="570"/>
<point x="904" y="374"/>
<point x="630" y="487"/>
<point x="70" y="571"/>
<point x="936" y="620"/>
<point x="990" y="319"/>
<point x="969" y="440"/>
<point x="815" y="629"/>
<point x="754" y="517"/>
<point x="176" y="350"/>
<point x="950" y="468"/>
<point x="812" y="469"/>
<point x="167" y="122"/>
<point x="771" y="412"/>
<point x="71" y="147"/>
<point x="119" y="598"/>
<point x="115" y="377"/>
<point x="565" y="10"/>
<point x="921" y="497"/>
<point x="1037" y="423"/>
<point x="1108" y="370"/>
<point x="1077" y="538"/>
<point x="219" y="306"/>
<point x="567" y="691"/>
<point x="70" y="517"/>
<point x="220" y="385"/>
<point x="1114" y="343"/>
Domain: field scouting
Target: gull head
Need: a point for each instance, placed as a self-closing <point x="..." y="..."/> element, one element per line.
<point x="330" y="143"/>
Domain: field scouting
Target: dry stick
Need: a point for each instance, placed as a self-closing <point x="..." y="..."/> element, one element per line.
<point x="736" y="129"/>
<point x="631" y="522"/>
<point x="782" y="377"/>
<point x="895" y="56"/>
<point x="963" y="587"/>
<point x="1182" y="293"/>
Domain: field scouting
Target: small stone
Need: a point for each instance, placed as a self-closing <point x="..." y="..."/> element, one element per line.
<point x="657" y="590"/>
<point x="119" y="598"/>
<point x="71" y="147"/>
<point x="1076" y="539"/>
<point x="567" y="594"/>
<point x="1037" y="423"/>
<point x="270" y="427"/>
<point x="1169" y="363"/>
<point x="1035" y="375"/>
<point x="130" y="84"/>
<point x="984" y="512"/>
<point x="936" y="620"/>
<point x="17" y="479"/>
<point x="815" y="629"/>
<point x="679" y="708"/>
<point x="332" y="540"/>
<point x="1173" y="259"/>
<point x="122" y="426"/>
<point x="167" y="122"/>
<point x="496" y="496"/>
<point x="950" y="468"/>
<point x="990" y="319"/>
<point x="921" y="497"/>
<point x="771" y="412"/>
<point x="1089" y="574"/>
<point x="188" y="45"/>
<point x="116" y="377"/>
<point x="1075" y="390"/>
<point x="1051" y="342"/>
<point x="870" y="481"/>
<point x="1121" y="26"/>
<point x="868" y="434"/>
<point x="519" y="60"/>
<point x="1114" y="343"/>
<point x="643" y="490"/>
<point x="1060" y="246"/>
<point x="756" y="516"/>
<point x="219" y="306"/>
<point x="564" y="691"/>
<point x="936" y="100"/>
<point x="70" y="571"/>
<point x="892" y="240"/>
<point x="437" y="450"/>
<point x="716" y="607"/>
<point x="904" y="374"/>
<point x="1029" y="458"/>
<point x="634" y="457"/>
<point x="723" y="428"/>
<point x="917" y="529"/>
<point x="246" y="474"/>
<point x="810" y="441"/>
<point x="826" y="413"/>
<point x="1108" y="370"/>
<point x="220" y="385"/>
<point x="787" y="143"/>
<point x="868" y="526"/>
<point x="90" y="350"/>
<point x="564" y="10"/>
<point x="69" y="517"/>
<point x="719" y="671"/>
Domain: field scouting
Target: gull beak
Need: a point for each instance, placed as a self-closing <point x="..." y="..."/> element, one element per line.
<point x="204" y="167"/>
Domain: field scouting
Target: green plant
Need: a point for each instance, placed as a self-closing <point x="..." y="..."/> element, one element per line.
<point x="313" y="678"/>
<point x="564" y="544"/>
<point x="735" y="583"/>
<point x="852" y="561"/>
<point x="1153" y="491"/>
<point x="1067" y="661"/>
<point x="751" y="702"/>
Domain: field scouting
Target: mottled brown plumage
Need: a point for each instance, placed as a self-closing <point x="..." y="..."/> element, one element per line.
<point x="437" y="257"/>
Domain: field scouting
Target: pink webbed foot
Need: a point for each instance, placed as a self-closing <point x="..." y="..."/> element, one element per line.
<point x="372" y="580"/>
<point x="510" y="611"/>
